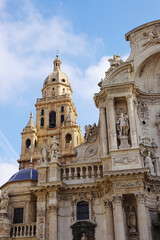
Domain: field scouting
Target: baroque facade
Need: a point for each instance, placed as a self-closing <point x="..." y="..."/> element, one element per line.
<point x="107" y="185"/>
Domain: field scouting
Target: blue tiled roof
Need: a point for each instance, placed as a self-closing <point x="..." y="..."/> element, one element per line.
<point x="25" y="174"/>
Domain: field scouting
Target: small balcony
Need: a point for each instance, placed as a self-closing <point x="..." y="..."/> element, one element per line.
<point x="22" y="230"/>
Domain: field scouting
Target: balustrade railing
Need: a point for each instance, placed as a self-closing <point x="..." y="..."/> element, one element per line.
<point x="82" y="172"/>
<point x="23" y="230"/>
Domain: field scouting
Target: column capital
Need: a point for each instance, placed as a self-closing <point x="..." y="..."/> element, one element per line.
<point x="108" y="204"/>
<point x="110" y="100"/>
<point x="53" y="208"/>
<point x="141" y="198"/>
<point x="117" y="199"/>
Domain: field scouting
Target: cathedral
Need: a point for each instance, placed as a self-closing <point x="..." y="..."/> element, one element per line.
<point x="105" y="185"/>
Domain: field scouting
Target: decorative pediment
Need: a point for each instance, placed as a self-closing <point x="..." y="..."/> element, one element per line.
<point x="120" y="75"/>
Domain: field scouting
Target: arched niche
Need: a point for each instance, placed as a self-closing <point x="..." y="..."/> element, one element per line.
<point x="148" y="74"/>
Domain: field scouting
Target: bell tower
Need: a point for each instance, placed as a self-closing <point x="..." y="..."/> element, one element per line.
<point x="56" y="116"/>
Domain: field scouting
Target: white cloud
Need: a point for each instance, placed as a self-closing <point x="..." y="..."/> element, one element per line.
<point x="26" y="39"/>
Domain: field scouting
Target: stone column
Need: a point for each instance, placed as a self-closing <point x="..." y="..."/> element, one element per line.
<point x="132" y="121"/>
<point x="53" y="222"/>
<point x="103" y="128"/>
<point x="112" y="123"/>
<point x="109" y="220"/>
<point x="119" y="226"/>
<point x="142" y="217"/>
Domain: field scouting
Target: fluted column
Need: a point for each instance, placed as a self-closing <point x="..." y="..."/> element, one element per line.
<point x="142" y="217"/>
<point x="53" y="222"/>
<point x="103" y="129"/>
<point x="119" y="226"/>
<point x="109" y="220"/>
<point x="132" y="121"/>
<point x="112" y="123"/>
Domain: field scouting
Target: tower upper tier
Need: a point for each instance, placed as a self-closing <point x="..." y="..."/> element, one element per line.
<point x="57" y="83"/>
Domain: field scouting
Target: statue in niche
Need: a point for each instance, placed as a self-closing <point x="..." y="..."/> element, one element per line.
<point x="122" y="125"/>
<point x="91" y="133"/>
<point x="45" y="152"/>
<point x="149" y="164"/>
<point x="54" y="152"/>
<point x="132" y="223"/>
<point x="84" y="237"/>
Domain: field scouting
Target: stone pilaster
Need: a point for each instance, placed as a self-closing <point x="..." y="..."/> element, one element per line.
<point x="112" y="123"/>
<point x="132" y="121"/>
<point x="53" y="222"/>
<point x="103" y="129"/>
<point x="142" y="217"/>
<point x="109" y="220"/>
<point x="119" y="218"/>
<point x="41" y="217"/>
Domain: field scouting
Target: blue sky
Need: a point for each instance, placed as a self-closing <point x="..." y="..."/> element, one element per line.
<point x="85" y="32"/>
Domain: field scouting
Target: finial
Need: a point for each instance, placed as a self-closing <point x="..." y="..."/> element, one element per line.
<point x="31" y="114"/>
<point x="57" y="54"/>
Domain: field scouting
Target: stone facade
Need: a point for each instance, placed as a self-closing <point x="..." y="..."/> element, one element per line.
<point x="107" y="185"/>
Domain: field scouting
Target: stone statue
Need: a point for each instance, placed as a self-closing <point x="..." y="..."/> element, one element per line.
<point x="91" y="133"/>
<point x="84" y="237"/>
<point x="132" y="223"/>
<point x="122" y="125"/>
<point x="149" y="164"/>
<point x="45" y="152"/>
<point x="115" y="61"/>
<point x="54" y="152"/>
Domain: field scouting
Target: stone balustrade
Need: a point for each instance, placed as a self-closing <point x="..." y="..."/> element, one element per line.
<point x="23" y="230"/>
<point x="82" y="172"/>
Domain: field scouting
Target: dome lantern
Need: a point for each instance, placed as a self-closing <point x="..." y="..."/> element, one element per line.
<point x="57" y="63"/>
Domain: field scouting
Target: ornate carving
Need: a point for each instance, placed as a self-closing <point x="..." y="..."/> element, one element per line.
<point x="91" y="150"/>
<point x="141" y="198"/>
<point x="107" y="204"/>
<point x="117" y="199"/>
<point x="114" y="62"/>
<point x="52" y="208"/>
<point x="125" y="160"/>
<point x="158" y="121"/>
<point x="4" y="227"/>
<point x="4" y="202"/>
<point x="41" y="212"/>
<point x="128" y="184"/>
<point x="152" y="37"/>
<point x="91" y="133"/>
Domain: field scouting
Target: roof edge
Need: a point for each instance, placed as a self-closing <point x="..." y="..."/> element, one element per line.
<point x="140" y="27"/>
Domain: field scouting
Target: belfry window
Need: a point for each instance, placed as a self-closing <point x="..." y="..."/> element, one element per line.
<point x="68" y="138"/>
<point x="18" y="215"/>
<point x="42" y="122"/>
<point x="28" y="143"/>
<point x="62" y="108"/>
<point x="82" y="210"/>
<point x="52" y="119"/>
<point x="42" y="112"/>
<point x="62" y="118"/>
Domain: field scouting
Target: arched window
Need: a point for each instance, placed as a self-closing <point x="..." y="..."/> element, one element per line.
<point x="68" y="138"/>
<point x="62" y="108"/>
<point x="52" y="119"/>
<point x="62" y="118"/>
<point x="28" y="143"/>
<point x="42" y="122"/>
<point x="82" y="210"/>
